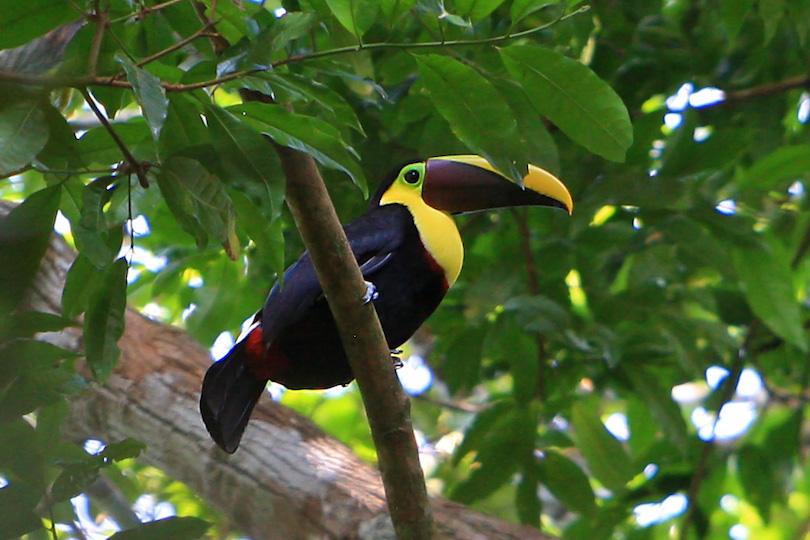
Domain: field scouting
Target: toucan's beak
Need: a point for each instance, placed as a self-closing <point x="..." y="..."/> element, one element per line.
<point x="467" y="183"/>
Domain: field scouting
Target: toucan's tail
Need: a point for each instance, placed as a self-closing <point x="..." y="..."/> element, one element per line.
<point x="229" y="393"/>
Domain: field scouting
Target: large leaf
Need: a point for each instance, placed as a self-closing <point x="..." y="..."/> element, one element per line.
<point x="308" y="134"/>
<point x="767" y="281"/>
<point x="523" y="8"/>
<point x="149" y="95"/>
<point x="104" y="320"/>
<point x="778" y="169"/>
<point x="183" y="128"/>
<point x="476" y="112"/>
<point x="356" y="16"/>
<point x="90" y="232"/>
<point x="23" y="133"/>
<point x="393" y="9"/>
<point x="24" y="236"/>
<point x="310" y="91"/>
<point x="605" y="456"/>
<point x="507" y="444"/>
<point x="477" y="9"/>
<point x="572" y="96"/>
<point x="247" y="152"/>
<point x="733" y="13"/>
<point x="23" y="21"/>
<point x="266" y="234"/>
<point x="508" y="343"/>
<point x="567" y="482"/>
<point x="199" y="202"/>
<point x="173" y="528"/>
<point x="80" y="277"/>
<point x="757" y="478"/>
<point x="659" y="400"/>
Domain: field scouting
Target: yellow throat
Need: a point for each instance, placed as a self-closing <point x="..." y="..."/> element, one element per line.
<point x="437" y="229"/>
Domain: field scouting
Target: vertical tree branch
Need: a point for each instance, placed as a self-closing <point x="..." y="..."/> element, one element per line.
<point x="387" y="406"/>
<point x="520" y="215"/>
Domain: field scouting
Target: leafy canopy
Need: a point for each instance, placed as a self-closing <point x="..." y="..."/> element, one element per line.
<point x="558" y="326"/>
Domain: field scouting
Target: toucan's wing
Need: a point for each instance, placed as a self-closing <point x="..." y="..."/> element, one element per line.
<point x="373" y="238"/>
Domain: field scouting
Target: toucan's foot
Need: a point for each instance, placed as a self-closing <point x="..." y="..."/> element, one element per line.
<point x="396" y="359"/>
<point x="371" y="293"/>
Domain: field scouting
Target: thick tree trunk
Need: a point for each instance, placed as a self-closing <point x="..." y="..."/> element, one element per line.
<point x="289" y="479"/>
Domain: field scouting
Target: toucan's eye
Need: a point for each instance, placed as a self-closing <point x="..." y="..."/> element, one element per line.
<point x="412" y="176"/>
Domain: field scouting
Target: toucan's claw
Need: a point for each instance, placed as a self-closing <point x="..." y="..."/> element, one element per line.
<point x="396" y="359"/>
<point x="371" y="293"/>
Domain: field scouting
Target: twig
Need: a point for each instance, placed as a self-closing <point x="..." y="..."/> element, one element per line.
<point x="146" y="11"/>
<point x="766" y="90"/>
<point x="31" y="167"/>
<point x="101" y="20"/>
<point x="426" y="45"/>
<point x="136" y="166"/>
<point x="179" y="45"/>
<point x="458" y="406"/>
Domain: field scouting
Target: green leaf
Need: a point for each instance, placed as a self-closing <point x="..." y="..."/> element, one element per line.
<point x="317" y="94"/>
<point x="477" y="114"/>
<point x="658" y="399"/>
<point x="508" y="442"/>
<point x="248" y="153"/>
<point x="21" y="22"/>
<point x="28" y="323"/>
<point x="17" y="512"/>
<point x="25" y="356"/>
<point x="757" y="478"/>
<point x="733" y="13"/>
<point x="766" y="280"/>
<point x="126" y="449"/>
<point x="506" y="342"/>
<point x="266" y="234"/>
<point x="572" y="96"/>
<point x="24" y="236"/>
<point x="541" y="149"/>
<point x="523" y="8"/>
<point x="81" y="275"/>
<point x="91" y="231"/>
<point x="149" y="95"/>
<point x="477" y="9"/>
<point x="104" y="320"/>
<point x="278" y="34"/>
<point x="778" y="169"/>
<point x="527" y="502"/>
<point x="308" y="134"/>
<point x="61" y="151"/>
<point x="183" y="128"/>
<point x="566" y="481"/>
<point x="462" y="359"/>
<point x="475" y="438"/>
<point x="173" y="528"/>
<point x="199" y="201"/>
<point x="23" y="133"/>
<point x="605" y="456"/>
<point x="771" y="12"/>
<point x="356" y="16"/>
<point x="394" y="9"/>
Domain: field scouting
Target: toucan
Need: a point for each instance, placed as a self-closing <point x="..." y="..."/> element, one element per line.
<point x="409" y="251"/>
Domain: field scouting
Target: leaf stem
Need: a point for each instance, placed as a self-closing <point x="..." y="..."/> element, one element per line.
<point x="427" y="44"/>
<point x="137" y="167"/>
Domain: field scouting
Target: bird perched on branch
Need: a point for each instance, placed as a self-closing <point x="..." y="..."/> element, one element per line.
<point x="409" y="251"/>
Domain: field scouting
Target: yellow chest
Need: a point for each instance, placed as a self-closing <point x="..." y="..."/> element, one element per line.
<point x="437" y="230"/>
